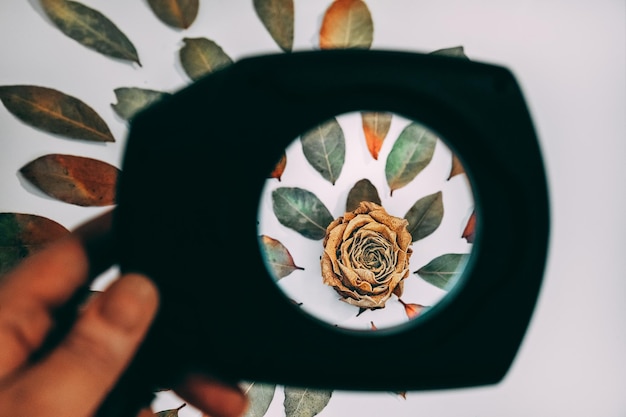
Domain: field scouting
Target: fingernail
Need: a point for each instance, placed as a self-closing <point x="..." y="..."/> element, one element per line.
<point x="129" y="302"/>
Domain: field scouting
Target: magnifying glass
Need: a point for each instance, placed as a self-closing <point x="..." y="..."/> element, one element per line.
<point x="281" y="230"/>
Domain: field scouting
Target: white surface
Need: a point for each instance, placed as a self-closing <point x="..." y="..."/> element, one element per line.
<point x="570" y="59"/>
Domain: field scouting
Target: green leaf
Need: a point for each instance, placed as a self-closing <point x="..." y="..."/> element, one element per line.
<point x="363" y="190"/>
<point x="131" y="100"/>
<point x="425" y="216"/>
<point x="375" y="127"/>
<point x="90" y="28"/>
<point x="202" y="56"/>
<point x="260" y="397"/>
<point x="347" y="24"/>
<point x="277" y="257"/>
<point x="23" y="234"/>
<point x="455" y="51"/>
<point x="305" y="402"/>
<point x="278" y="18"/>
<point x="302" y="211"/>
<point x="179" y="14"/>
<point x="324" y="147"/>
<point x="169" y="413"/>
<point x="444" y="271"/>
<point x="411" y="153"/>
<point x="55" y="112"/>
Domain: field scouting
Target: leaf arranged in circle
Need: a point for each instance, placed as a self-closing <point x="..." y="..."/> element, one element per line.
<point x="305" y="402"/>
<point x="347" y="24"/>
<point x="375" y="127"/>
<point x="202" y="56"/>
<point x="410" y="154"/>
<point x="279" y="168"/>
<point x="73" y="179"/>
<point x="23" y="234"/>
<point x="444" y="271"/>
<point x="412" y="310"/>
<point x="425" y="216"/>
<point x="363" y="190"/>
<point x="90" y="28"/>
<point x="278" y="18"/>
<point x="179" y="14"/>
<point x="324" y="147"/>
<point x="277" y="257"/>
<point x="456" y="168"/>
<point x="173" y="412"/>
<point x="131" y="100"/>
<point x="55" y="112"/>
<point x="260" y="396"/>
<point x="301" y="211"/>
<point x="470" y="229"/>
<point x="455" y="51"/>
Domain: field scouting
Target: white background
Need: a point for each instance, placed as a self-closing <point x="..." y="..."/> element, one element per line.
<point x="570" y="59"/>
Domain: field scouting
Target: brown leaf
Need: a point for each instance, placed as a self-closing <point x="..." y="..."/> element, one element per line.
<point x="90" y="28"/>
<point x="347" y="24"/>
<point x="457" y="168"/>
<point x="470" y="228"/>
<point x="201" y="56"/>
<point x="279" y="169"/>
<point x="169" y="413"/>
<point x="373" y="326"/>
<point x="363" y="190"/>
<point x="178" y="14"/>
<point x="22" y="235"/>
<point x="55" y="112"/>
<point x="73" y="179"/>
<point x="278" y="18"/>
<point x="375" y="127"/>
<point x="412" y="310"/>
<point x="277" y="257"/>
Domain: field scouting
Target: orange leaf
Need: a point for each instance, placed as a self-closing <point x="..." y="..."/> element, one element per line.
<point x="375" y="127"/>
<point x="470" y="228"/>
<point x="347" y="24"/>
<point x="279" y="169"/>
<point x="412" y="310"/>
<point x="457" y="168"/>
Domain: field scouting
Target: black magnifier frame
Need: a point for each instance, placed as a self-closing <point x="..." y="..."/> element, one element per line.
<point x="193" y="172"/>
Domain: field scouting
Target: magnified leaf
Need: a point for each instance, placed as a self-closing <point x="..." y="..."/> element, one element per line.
<point x="455" y="51"/>
<point x="304" y="402"/>
<point x="131" y="100"/>
<point x="302" y="211"/>
<point x="277" y="257"/>
<point x="347" y="24"/>
<point x="169" y="413"/>
<point x="201" y="56"/>
<point x="279" y="169"/>
<point x="178" y="14"/>
<point x="55" y="112"/>
<point x="22" y="235"/>
<point x="324" y="147"/>
<point x="260" y="397"/>
<point x="410" y="154"/>
<point x="375" y="127"/>
<point x="412" y="310"/>
<point x="470" y="229"/>
<point x="443" y="271"/>
<point x="457" y="168"/>
<point x="363" y="190"/>
<point x="425" y="216"/>
<point x="90" y="28"/>
<point x="73" y="179"/>
<point x="278" y="18"/>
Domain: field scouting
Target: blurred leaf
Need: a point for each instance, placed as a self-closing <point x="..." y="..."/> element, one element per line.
<point x="425" y="216"/>
<point x="411" y="153"/>
<point x="363" y="190"/>
<point x="55" y="112"/>
<point x="324" y="147"/>
<point x="470" y="228"/>
<point x="278" y="18"/>
<point x="302" y="211"/>
<point x="131" y="100"/>
<point x="90" y="28"/>
<point x="260" y="397"/>
<point x="412" y="310"/>
<point x="443" y="271"/>
<point x="278" y="257"/>
<point x="375" y="127"/>
<point x="457" y="168"/>
<point x="373" y="326"/>
<point x="169" y="413"/>
<point x="347" y="24"/>
<point x="179" y="14"/>
<point x="201" y="56"/>
<point x="304" y="402"/>
<point x="279" y="168"/>
<point x="73" y="179"/>
<point x="455" y="51"/>
<point x="22" y="235"/>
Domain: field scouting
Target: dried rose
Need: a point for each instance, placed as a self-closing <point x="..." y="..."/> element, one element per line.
<point x="366" y="256"/>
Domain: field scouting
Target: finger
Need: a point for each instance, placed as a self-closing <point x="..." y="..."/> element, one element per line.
<point x="75" y="378"/>
<point x="146" y="412"/>
<point x="212" y="397"/>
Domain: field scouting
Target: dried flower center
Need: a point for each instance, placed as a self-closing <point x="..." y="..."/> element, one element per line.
<point x="370" y="250"/>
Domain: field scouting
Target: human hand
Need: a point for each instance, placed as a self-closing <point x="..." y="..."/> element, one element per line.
<point x="75" y="377"/>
